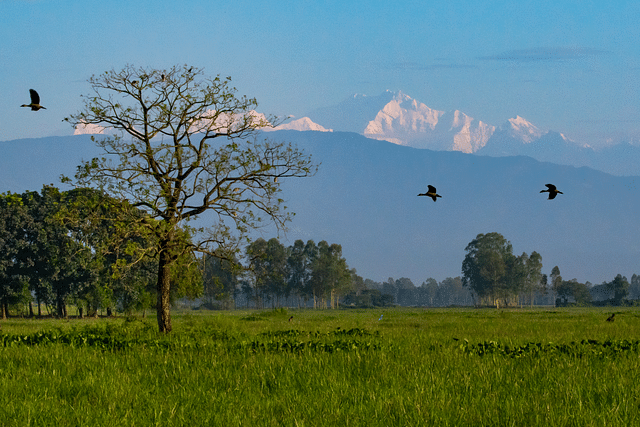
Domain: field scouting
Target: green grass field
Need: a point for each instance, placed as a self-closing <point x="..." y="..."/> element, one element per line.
<point x="541" y="367"/>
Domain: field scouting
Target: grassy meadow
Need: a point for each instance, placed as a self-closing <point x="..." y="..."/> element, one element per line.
<point x="485" y="367"/>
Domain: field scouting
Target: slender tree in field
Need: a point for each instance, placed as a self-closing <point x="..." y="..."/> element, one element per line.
<point x="184" y="144"/>
<point x="556" y="282"/>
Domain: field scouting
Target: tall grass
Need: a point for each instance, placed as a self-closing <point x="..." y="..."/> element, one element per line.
<point x="324" y="368"/>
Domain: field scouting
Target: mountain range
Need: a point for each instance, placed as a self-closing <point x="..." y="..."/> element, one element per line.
<point x="402" y="120"/>
<point x="364" y="197"/>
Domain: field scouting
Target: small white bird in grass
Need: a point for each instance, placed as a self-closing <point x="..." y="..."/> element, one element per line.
<point x="380" y="317"/>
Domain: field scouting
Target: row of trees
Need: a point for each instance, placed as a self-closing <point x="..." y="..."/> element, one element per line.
<point x="276" y="275"/>
<point x="618" y="291"/>
<point x="58" y="248"/>
<point x="497" y="277"/>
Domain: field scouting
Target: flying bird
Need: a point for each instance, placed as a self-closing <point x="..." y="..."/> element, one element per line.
<point x="380" y="317"/>
<point x="551" y="189"/>
<point x="431" y="193"/>
<point x="610" y="318"/>
<point x="35" y="101"/>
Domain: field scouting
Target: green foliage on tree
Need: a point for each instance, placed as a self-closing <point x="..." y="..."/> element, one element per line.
<point x="330" y="274"/>
<point x="619" y="287"/>
<point x="300" y="262"/>
<point x="305" y="271"/>
<point x="220" y="281"/>
<point x="494" y="274"/>
<point x="268" y="268"/>
<point x="184" y="144"/>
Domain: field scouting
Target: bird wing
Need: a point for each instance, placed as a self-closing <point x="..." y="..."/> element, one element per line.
<point x="551" y="187"/>
<point x="552" y="195"/>
<point x="432" y="189"/>
<point x="35" y="98"/>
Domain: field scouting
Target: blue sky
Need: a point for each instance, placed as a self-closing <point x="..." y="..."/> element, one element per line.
<point x="568" y="66"/>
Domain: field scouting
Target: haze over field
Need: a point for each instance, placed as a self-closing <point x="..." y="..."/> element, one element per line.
<point x="364" y="197"/>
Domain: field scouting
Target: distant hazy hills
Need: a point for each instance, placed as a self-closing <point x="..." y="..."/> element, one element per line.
<point x="398" y="118"/>
<point x="365" y="198"/>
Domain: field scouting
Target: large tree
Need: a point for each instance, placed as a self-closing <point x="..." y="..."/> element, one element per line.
<point x="14" y="219"/>
<point x="184" y="144"/>
<point x="330" y="274"/>
<point x="488" y="267"/>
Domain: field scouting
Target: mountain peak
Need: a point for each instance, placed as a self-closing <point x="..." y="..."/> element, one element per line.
<point x="396" y="117"/>
<point x="302" y="124"/>
<point x="522" y="129"/>
<point x="402" y="119"/>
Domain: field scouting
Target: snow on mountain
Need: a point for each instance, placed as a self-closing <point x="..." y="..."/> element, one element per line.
<point x="457" y="131"/>
<point x="401" y="120"/>
<point x="522" y="130"/>
<point x="88" y="129"/>
<point x="398" y="118"/>
<point x="302" y="124"/>
<point x="405" y="121"/>
<point x="353" y="114"/>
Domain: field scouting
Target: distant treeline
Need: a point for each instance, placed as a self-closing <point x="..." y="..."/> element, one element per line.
<point x="49" y="259"/>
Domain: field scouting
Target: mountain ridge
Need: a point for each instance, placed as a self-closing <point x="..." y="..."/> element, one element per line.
<point x="395" y="117"/>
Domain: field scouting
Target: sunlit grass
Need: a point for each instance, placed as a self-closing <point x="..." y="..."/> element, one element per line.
<point x="257" y="368"/>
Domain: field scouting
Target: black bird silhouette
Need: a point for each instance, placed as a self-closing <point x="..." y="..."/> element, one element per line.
<point x="35" y="101"/>
<point x="551" y="189"/>
<point x="431" y="193"/>
<point x="610" y="318"/>
<point x="290" y="318"/>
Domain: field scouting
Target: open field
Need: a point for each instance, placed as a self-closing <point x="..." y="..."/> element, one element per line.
<point x="344" y="367"/>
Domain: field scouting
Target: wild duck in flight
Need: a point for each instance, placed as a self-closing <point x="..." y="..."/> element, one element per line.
<point x="551" y="189"/>
<point x="35" y="101"/>
<point x="431" y="193"/>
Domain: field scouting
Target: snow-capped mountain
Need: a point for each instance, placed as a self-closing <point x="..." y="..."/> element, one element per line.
<point x="398" y="118"/>
<point x="353" y="114"/>
<point x="302" y="124"/>
<point x="89" y="129"/>
<point x="401" y="120"/>
<point x="456" y="131"/>
<point x="521" y="129"/>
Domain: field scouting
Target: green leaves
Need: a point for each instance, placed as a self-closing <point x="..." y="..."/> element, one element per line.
<point x="585" y="347"/>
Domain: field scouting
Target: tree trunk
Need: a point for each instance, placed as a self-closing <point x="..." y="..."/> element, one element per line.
<point x="61" y="309"/>
<point x="4" y="312"/>
<point x="164" y="291"/>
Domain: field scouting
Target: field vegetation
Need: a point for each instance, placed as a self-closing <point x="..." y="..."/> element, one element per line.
<point x="375" y="367"/>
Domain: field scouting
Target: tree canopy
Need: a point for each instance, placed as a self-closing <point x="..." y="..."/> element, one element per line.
<point x="184" y="144"/>
<point x="494" y="274"/>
